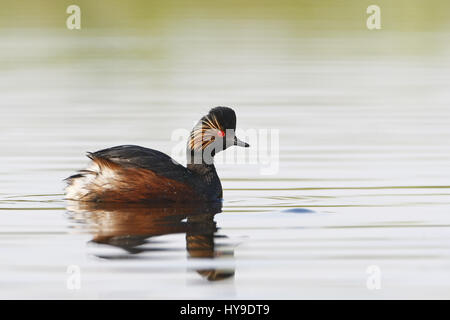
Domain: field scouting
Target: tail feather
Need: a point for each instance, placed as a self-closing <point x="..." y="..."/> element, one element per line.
<point x="79" y="186"/>
<point x="75" y="176"/>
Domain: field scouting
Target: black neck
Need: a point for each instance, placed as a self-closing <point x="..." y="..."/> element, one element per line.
<point x="206" y="172"/>
<point x="197" y="163"/>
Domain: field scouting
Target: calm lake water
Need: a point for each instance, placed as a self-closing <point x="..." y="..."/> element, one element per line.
<point x="363" y="178"/>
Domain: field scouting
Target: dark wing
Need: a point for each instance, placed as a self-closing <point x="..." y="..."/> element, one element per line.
<point x="136" y="156"/>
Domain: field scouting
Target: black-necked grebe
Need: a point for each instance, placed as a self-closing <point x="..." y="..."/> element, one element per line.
<point x="131" y="173"/>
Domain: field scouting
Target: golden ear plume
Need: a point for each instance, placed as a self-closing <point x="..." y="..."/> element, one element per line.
<point x="204" y="133"/>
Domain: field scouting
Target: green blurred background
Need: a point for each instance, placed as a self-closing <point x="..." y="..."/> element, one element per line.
<point x="325" y="15"/>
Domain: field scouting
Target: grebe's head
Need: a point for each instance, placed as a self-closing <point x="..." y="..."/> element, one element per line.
<point x="215" y="132"/>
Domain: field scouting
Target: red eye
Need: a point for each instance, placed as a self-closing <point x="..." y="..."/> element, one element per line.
<point x="221" y="134"/>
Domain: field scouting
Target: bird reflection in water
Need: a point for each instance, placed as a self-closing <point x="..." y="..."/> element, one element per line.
<point x="129" y="227"/>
